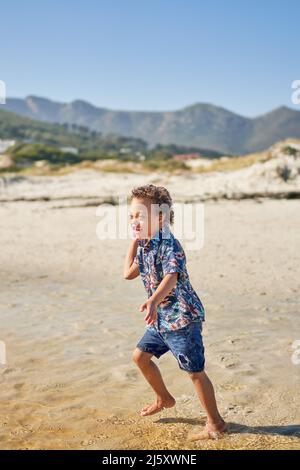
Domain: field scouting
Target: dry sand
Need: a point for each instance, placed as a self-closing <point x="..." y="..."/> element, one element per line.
<point x="70" y="323"/>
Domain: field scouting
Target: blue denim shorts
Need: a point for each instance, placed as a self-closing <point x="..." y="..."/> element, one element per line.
<point x="185" y="344"/>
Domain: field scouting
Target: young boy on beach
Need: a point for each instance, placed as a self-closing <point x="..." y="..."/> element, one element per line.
<point x="174" y="312"/>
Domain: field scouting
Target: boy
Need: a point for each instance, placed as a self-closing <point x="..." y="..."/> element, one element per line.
<point x="174" y="312"/>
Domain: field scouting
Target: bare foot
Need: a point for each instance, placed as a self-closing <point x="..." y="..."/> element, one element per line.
<point x="211" y="431"/>
<point x="159" y="405"/>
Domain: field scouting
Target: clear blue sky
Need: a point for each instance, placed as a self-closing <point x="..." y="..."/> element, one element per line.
<point x="152" y="54"/>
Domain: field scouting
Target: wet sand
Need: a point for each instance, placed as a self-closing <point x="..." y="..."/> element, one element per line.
<point x="70" y="323"/>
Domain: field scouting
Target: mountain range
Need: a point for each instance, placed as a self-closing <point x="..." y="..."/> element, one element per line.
<point x="199" y="125"/>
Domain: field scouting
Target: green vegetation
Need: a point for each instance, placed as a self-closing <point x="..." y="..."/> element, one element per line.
<point x="83" y="139"/>
<point x="289" y="150"/>
<point x="235" y="163"/>
<point x="62" y="145"/>
<point x="284" y="172"/>
<point x="30" y="153"/>
<point x="165" y="165"/>
<point x="180" y="149"/>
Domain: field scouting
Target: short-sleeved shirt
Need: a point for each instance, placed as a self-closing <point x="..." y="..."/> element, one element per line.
<point x="161" y="256"/>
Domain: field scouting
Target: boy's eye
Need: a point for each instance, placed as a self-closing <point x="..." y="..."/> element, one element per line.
<point x="139" y="216"/>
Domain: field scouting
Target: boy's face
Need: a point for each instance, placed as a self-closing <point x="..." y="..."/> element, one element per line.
<point x="144" y="222"/>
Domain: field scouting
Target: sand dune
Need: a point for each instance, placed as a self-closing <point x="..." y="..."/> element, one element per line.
<point x="275" y="174"/>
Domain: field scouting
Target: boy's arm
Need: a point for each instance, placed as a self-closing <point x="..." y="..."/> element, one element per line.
<point x="167" y="284"/>
<point x="165" y="287"/>
<point x="131" y="269"/>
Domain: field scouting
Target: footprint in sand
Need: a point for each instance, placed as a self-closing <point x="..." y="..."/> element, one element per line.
<point x="232" y="387"/>
<point x="19" y="386"/>
<point x="230" y="360"/>
<point x="132" y="375"/>
<point x="9" y="370"/>
<point x="22" y="431"/>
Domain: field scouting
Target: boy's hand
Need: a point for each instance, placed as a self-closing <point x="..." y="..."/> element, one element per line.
<point x="151" y="308"/>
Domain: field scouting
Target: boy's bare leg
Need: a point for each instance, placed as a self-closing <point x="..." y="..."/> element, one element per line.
<point x="152" y="374"/>
<point x="215" y="424"/>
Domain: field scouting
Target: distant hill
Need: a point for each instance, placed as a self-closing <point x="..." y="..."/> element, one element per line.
<point x="37" y="138"/>
<point x="200" y="125"/>
<point x="20" y="128"/>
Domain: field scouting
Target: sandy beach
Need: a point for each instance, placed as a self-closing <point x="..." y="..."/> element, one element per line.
<point x="99" y="100"/>
<point x="70" y="323"/>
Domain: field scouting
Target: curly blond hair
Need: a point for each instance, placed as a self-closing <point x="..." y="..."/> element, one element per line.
<point x="157" y="195"/>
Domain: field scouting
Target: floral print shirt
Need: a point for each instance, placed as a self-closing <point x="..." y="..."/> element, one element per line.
<point x="163" y="254"/>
